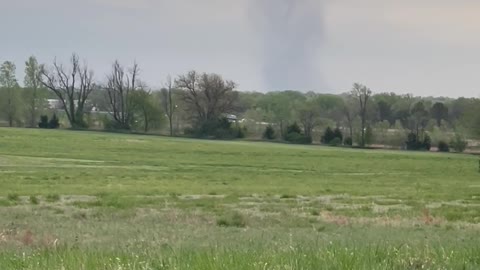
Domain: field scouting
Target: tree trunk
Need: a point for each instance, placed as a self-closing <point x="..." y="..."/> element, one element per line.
<point x="282" y="133"/>
<point x="33" y="109"/>
<point x="362" y="143"/>
<point x="350" y="125"/>
<point x="145" y="119"/>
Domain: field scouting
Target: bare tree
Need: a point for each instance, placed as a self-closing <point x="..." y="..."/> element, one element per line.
<point x="72" y="87"/>
<point x="167" y="103"/>
<point x="120" y="86"/>
<point x="362" y="94"/>
<point x="308" y="114"/>
<point x="207" y="96"/>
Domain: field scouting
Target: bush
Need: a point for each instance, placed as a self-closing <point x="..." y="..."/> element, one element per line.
<point x="54" y="122"/>
<point x="189" y="131"/>
<point x="241" y="132"/>
<point x="43" y="122"/>
<point x="52" y="198"/>
<point x="298" y="138"/>
<point x="414" y="143"/>
<point x="337" y="133"/>
<point x="332" y="137"/>
<point x="294" y="128"/>
<point x="294" y="135"/>
<point x="269" y="133"/>
<point x="13" y="197"/>
<point x="459" y="144"/>
<point x="443" y="147"/>
<point x="112" y="125"/>
<point x="328" y="136"/>
<point x="427" y="142"/>
<point x="369" y="137"/>
<point x="234" y="219"/>
<point x="396" y="139"/>
<point x="33" y="200"/>
<point x="336" y="142"/>
<point x="348" y="141"/>
<point x="217" y="129"/>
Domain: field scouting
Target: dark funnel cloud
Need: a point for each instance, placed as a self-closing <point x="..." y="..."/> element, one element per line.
<point x="290" y="32"/>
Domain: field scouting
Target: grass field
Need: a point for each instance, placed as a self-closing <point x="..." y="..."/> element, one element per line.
<point x="86" y="200"/>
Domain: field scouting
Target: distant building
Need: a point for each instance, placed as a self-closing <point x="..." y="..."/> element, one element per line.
<point x="231" y="118"/>
<point x="55" y="104"/>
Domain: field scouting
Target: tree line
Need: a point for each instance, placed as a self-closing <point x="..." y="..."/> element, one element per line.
<point x="206" y="105"/>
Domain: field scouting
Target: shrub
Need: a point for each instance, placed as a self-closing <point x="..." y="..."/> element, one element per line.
<point x="336" y="142"/>
<point x="234" y="219"/>
<point x="459" y="144"/>
<point x="112" y="125"/>
<point x="298" y="138"/>
<point x="427" y="142"/>
<point x="216" y="128"/>
<point x="33" y="200"/>
<point x="328" y="135"/>
<point x="414" y="143"/>
<point x="269" y="133"/>
<point x="369" y="137"/>
<point x="189" y="131"/>
<point x="240" y="132"/>
<point x="294" y="128"/>
<point x="54" y="122"/>
<point x="43" y="122"/>
<point x="348" y="141"/>
<point x="332" y="137"/>
<point x="52" y="198"/>
<point x="396" y="139"/>
<point x="337" y="133"/>
<point x="443" y="147"/>
<point x="13" y="197"/>
<point x="294" y="135"/>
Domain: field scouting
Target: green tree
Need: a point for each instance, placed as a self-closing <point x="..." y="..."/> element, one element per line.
<point x="384" y="111"/>
<point x="439" y="112"/>
<point x="147" y="112"/>
<point x="308" y="112"/>
<point x="459" y="143"/>
<point x="419" y="119"/>
<point x="34" y="98"/>
<point x="381" y="129"/>
<point x="9" y="85"/>
<point x="279" y="106"/>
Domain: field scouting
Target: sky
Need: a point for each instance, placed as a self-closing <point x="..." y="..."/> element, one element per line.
<point x="428" y="47"/>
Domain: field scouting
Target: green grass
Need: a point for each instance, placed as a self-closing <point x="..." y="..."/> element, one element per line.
<point x="87" y="200"/>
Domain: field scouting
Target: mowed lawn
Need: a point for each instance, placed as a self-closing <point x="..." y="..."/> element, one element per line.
<point x="92" y="200"/>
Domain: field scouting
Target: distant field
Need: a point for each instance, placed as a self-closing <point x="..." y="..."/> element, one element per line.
<point x="87" y="200"/>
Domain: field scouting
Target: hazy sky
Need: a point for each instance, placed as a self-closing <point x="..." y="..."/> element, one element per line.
<point x="428" y="47"/>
